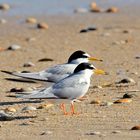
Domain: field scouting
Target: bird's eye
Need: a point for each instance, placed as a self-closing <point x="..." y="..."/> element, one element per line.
<point x="86" y="55"/>
<point x="91" y="67"/>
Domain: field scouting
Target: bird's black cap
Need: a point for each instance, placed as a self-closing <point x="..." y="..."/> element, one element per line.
<point x="83" y="66"/>
<point x="76" y="55"/>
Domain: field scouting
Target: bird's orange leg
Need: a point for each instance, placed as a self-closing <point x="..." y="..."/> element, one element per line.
<point x="63" y="108"/>
<point x="73" y="110"/>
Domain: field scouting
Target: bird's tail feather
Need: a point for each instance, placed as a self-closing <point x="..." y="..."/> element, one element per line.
<point x="34" y="75"/>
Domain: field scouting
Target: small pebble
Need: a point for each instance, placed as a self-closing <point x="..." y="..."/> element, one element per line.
<point x="116" y="43"/>
<point x="137" y="127"/>
<point x="14" y="47"/>
<point x="123" y="42"/>
<point x="25" y="71"/>
<point x="125" y="81"/>
<point x="2" y="49"/>
<point x="26" y="123"/>
<point x="83" y="31"/>
<point x="45" y="106"/>
<point x="30" y="39"/>
<point x="106" y="34"/>
<point x="28" y="108"/>
<point x="112" y="10"/>
<point x="94" y="8"/>
<point x="42" y="26"/>
<point x="122" y="101"/>
<point x="28" y="64"/>
<point x="116" y="131"/>
<point x="4" y="6"/>
<point x="46" y="133"/>
<point x="126" y="31"/>
<point x="16" y="90"/>
<point x="95" y="102"/>
<point x="2" y="21"/>
<point x="10" y="109"/>
<point x="5" y="117"/>
<point x="137" y="57"/>
<point x="31" y="20"/>
<point x="127" y="95"/>
<point x="94" y="133"/>
<point x="93" y="5"/>
<point x="45" y="59"/>
<point x="107" y="104"/>
<point x="134" y="72"/>
<point x="80" y="10"/>
<point x="107" y="84"/>
<point x="97" y="86"/>
<point x="92" y="28"/>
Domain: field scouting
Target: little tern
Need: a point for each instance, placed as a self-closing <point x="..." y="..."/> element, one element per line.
<point x="70" y="88"/>
<point x="57" y="72"/>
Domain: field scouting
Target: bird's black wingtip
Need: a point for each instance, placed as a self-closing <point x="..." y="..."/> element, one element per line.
<point x="4" y="71"/>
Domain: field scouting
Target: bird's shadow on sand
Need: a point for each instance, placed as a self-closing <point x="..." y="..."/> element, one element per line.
<point x="19" y="102"/>
<point x="20" y="80"/>
<point x="24" y="117"/>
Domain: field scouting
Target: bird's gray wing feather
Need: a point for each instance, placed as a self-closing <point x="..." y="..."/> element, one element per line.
<point x="61" y="69"/>
<point x="34" y="76"/>
<point x="40" y="94"/>
<point x="58" y="72"/>
<point x="53" y="74"/>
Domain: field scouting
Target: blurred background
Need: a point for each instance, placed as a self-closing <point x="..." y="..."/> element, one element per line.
<point x="54" y="7"/>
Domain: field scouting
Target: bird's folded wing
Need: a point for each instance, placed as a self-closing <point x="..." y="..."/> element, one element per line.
<point x="39" y="94"/>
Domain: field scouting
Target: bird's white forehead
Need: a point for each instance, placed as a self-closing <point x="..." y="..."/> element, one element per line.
<point x="92" y="66"/>
<point x="85" y="54"/>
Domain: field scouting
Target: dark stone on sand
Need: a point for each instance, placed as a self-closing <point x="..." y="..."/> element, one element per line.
<point x="127" y="95"/>
<point x="83" y="31"/>
<point x="14" y="47"/>
<point x="25" y="71"/>
<point x="42" y="25"/>
<point x="91" y="28"/>
<point x="45" y="59"/>
<point x="4" y="6"/>
<point x="5" y="117"/>
<point x="17" y="90"/>
<point x="137" y="127"/>
<point x="137" y="57"/>
<point x="28" y="64"/>
<point x="125" y="81"/>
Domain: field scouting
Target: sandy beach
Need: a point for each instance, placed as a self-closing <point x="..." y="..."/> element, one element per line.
<point x="116" y="41"/>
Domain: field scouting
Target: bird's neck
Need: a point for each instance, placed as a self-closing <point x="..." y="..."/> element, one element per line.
<point x="86" y="73"/>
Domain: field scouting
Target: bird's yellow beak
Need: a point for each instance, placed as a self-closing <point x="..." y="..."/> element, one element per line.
<point x="98" y="71"/>
<point x="94" y="59"/>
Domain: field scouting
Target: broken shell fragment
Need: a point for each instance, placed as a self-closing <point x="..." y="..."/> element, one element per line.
<point x="31" y="20"/>
<point x="112" y="10"/>
<point x="123" y="101"/>
<point x="45" y="106"/>
<point x="137" y="127"/>
<point x="10" y="109"/>
<point x="42" y="25"/>
<point x="4" y="6"/>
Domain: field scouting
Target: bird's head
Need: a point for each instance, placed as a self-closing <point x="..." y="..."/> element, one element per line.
<point x="88" y="69"/>
<point x="80" y="57"/>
